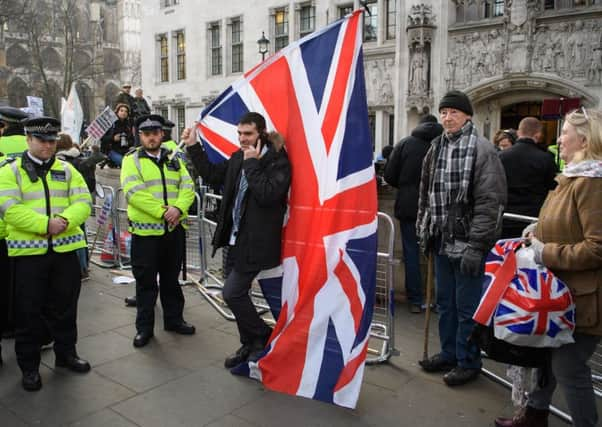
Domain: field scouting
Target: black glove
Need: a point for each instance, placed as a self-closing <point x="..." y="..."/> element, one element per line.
<point x="472" y="262"/>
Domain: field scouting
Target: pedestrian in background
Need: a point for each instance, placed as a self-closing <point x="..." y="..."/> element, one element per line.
<point x="402" y="171"/>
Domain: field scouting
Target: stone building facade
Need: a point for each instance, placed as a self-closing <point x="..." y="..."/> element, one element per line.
<point x="96" y="56"/>
<point x="508" y="55"/>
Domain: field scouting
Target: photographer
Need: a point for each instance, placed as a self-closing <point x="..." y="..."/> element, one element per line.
<point x="119" y="139"/>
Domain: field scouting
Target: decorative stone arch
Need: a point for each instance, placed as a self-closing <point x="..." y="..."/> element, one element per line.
<point x="111" y="92"/>
<point x="86" y="99"/>
<point x="51" y="59"/>
<point x="18" y="91"/>
<point x="112" y="65"/>
<point x="52" y="99"/>
<point x="490" y="96"/>
<point x="82" y="63"/>
<point x="17" y="56"/>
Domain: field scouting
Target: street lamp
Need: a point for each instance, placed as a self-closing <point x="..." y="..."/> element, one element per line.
<point x="263" y="44"/>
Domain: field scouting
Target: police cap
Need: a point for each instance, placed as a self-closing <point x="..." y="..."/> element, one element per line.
<point x="45" y="128"/>
<point x="168" y="124"/>
<point x="149" y="122"/>
<point x="12" y="115"/>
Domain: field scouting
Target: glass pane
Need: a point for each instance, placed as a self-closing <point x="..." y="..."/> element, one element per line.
<point x="280" y="22"/>
<point x="371" y="22"/>
<point x="345" y="10"/>
<point x="237" y="58"/>
<point x="216" y="61"/>
<point x="280" y="42"/>
<point x="307" y="19"/>
<point x="391" y="19"/>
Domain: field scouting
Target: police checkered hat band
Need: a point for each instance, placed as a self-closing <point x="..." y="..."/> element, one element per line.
<point x="45" y="129"/>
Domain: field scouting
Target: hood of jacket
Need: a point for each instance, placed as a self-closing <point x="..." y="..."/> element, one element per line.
<point x="73" y="152"/>
<point x="427" y="131"/>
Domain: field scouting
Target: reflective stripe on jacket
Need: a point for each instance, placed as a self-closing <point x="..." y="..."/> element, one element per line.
<point x="27" y="206"/>
<point x="149" y="185"/>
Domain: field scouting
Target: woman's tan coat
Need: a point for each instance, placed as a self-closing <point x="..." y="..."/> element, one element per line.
<point x="570" y="225"/>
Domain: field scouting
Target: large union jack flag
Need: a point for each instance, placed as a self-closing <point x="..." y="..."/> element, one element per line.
<point x="313" y="93"/>
<point x="526" y="302"/>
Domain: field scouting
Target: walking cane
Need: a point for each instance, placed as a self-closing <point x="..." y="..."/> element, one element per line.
<point x="429" y="296"/>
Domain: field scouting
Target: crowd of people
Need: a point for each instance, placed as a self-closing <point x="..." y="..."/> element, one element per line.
<point x="453" y="189"/>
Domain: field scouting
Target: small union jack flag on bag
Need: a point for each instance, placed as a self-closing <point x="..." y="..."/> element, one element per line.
<point x="527" y="304"/>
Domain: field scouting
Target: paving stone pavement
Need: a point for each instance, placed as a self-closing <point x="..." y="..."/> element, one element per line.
<point x="180" y="380"/>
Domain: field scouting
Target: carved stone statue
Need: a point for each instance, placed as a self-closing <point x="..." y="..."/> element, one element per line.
<point x="594" y="72"/>
<point x="417" y="72"/>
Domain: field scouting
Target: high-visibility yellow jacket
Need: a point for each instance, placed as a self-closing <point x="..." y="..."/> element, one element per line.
<point x="27" y="202"/>
<point x="13" y="145"/>
<point x="149" y="185"/>
<point x="170" y="144"/>
<point x="3" y="232"/>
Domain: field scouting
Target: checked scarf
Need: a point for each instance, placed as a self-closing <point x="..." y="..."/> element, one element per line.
<point x="451" y="172"/>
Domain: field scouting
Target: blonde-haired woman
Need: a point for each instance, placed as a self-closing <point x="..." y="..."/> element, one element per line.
<point x="568" y="240"/>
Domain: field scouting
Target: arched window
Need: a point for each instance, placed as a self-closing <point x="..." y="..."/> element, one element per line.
<point x="51" y="59"/>
<point x="17" y="56"/>
<point x="17" y="93"/>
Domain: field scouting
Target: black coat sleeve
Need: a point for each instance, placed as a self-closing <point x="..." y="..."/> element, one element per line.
<point x="393" y="166"/>
<point x="268" y="184"/>
<point x="213" y="174"/>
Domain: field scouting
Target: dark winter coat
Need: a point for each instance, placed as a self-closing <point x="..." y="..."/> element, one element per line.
<point x="140" y="107"/>
<point x="482" y="218"/>
<point x="530" y="172"/>
<point x="108" y="143"/>
<point x="125" y="98"/>
<point x="258" y="244"/>
<point x="402" y="170"/>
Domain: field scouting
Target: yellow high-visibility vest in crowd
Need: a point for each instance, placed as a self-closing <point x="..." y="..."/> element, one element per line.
<point x="170" y="144"/>
<point x="149" y="185"/>
<point x="3" y="232"/>
<point x="13" y="145"/>
<point x="26" y="205"/>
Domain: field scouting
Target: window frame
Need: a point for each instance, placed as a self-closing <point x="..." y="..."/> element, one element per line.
<point x="311" y="18"/>
<point x="236" y="45"/>
<point x="180" y="51"/>
<point x="391" y="19"/>
<point x="372" y="19"/>
<point x="281" y="39"/>
<point x="163" y="51"/>
<point x="215" y="50"/>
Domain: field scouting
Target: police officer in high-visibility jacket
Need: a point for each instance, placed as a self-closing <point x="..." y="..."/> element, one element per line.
<point x="13" y="142"/>
<point x="159" y="192"/>
<point x="6" y="285"/>
<point x="44" y="201"/>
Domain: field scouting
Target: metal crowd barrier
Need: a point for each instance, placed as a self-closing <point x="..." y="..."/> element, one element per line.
<point x="595" y="362"/>
<point x="382" y="337"/>
<point x="101" y="230"/>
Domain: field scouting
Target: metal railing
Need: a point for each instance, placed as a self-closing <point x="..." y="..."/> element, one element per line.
<point x="382" y="334"/>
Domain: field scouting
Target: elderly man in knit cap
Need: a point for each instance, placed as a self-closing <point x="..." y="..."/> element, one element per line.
<point x="461" y="202"/>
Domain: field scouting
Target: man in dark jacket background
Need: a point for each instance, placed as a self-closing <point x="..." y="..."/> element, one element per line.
<point x="530" y="172"/>
<point x="403" y="172"/>
<point x="255" y="182"/>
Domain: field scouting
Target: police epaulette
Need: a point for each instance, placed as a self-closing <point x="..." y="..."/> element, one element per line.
<point x="7" y="161"/>
<point x="132" y="151"/>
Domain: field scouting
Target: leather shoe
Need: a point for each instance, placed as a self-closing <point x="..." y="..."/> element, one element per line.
<point x="527" y="417"/>
<point x="460" y="376"/>
<point x="31" y="381"/>
<point x="130" y="301"/>
<point x="437" y="364"/>
<point x="240" y="356"/>
<point x="182" y="328"/>
<point x="73" y="363"/>
<point x="142" y="338"/>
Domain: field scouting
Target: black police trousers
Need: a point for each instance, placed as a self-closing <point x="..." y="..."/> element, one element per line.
<point x="6" y="290"/>
<point x="152" y="255"/>
<point x="46" y="293"/>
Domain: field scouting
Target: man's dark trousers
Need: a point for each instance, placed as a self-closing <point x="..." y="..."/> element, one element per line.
<point x="251" y="327"/>
<point x="46" y="293"/>
<point x="152" y="255"/>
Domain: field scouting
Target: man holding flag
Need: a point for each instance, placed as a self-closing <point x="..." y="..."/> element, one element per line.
<point x="322" y="294"/>
<point x="256" y="180"/>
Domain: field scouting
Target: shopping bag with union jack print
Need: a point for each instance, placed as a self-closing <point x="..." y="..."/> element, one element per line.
<point x="526" y="304"/>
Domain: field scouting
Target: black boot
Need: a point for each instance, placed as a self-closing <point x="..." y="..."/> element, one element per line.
<point x="527" y="417"/>
<point x="31" y="381"/>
